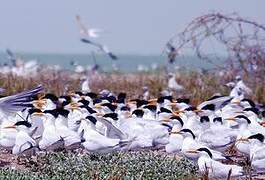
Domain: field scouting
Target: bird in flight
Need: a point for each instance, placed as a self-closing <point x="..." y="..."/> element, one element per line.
<point x="89" y="32"/>
<point x="101" y="47"/>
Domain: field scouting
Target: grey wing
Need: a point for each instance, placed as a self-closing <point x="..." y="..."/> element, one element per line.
<point x="112" y="131"/>
<point x="18" y="101"/>
<point x="218" y="102"/>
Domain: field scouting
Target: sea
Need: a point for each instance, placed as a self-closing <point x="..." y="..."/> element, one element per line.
<point x="126" y="63"/>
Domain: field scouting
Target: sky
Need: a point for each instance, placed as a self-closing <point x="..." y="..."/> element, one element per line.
<point x="130" y="26"/>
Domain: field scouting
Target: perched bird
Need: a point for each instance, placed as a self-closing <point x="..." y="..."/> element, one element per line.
<point x="215" y="169"/>
<point x="24" y="144"/>
<point x="173" y="85"/>
<point x="171" y="52"/>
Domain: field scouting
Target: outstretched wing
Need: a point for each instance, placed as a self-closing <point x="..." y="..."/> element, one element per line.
<point x="82" y="27"/>
<point x="18" y="101"/>
<point x="101" y="47"/>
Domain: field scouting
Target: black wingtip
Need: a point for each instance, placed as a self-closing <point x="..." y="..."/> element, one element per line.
<point x="112" y="56"/>
<point x="85" y="40"/>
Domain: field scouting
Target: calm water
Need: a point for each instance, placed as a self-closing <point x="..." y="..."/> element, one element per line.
<point x="125" y="63"/>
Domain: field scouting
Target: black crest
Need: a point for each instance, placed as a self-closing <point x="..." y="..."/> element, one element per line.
<point x="110" y="106"/>
<point x="218" y="119"/>
<point x="138" y="112"/>
<point x="23" y="123"/>
<point x="254" y="110"/>
<point x="125" y="108"/>
<point x="151" y="107"/>
<point x="258" y="136"/>
<point x="89" y="109"/>
<point x="177" y="118"/>
<point x="92" y="119"/>
<point x="92" y="95"/>
<point x="34" y="110"/>
<point x="252" y="104"/>
<point x="52" y="97"/>
<point x="183" y="100"/>
<point x="85" y="102"/>
<point x="210" y="107"/>
<point x="207" y="151"/>
<point x="63" y="112"/>
<point x="52" y="112"/>
<point x="165" y="110"/>
<point x="243" y="117"/>
<point x="188" y="131"/>
<point x="204" y="119"/>
<point x="113" y="116"/>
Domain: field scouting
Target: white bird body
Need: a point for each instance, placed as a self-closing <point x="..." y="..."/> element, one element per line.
<point x="7" y="136"/>
<point x="85" y="86"/>
<point x="188" y="144"/>
<point x="175" y="141"/>
<point x="173" y="85"/>
<point x="50" y="138"/>
<point x="146" y="133"/>
<point x="94" y="141"/>
<point x="23" y="143"/>
<point x="70" y="137"/>
<point x="217" y="138"/>
<point x="217" y="170"/>
<point x="257" y="156"/>
<point x="243" y="147"/>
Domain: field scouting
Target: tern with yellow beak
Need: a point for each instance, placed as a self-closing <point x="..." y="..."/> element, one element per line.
<point x="50" y="140"/>
<point x="24" y="144"/>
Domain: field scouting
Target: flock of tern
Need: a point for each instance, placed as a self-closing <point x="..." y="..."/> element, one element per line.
<point x="33" y="122"/>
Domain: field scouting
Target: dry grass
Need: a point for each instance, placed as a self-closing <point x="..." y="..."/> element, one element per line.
<point x="198" y="87"/>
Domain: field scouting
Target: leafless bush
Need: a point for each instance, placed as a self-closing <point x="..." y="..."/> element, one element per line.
<point x="230" y="42"/>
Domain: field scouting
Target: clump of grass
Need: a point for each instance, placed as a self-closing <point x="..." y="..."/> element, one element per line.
<point x="119" y="165"/>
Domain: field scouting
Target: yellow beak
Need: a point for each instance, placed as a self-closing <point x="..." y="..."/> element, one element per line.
<point x="198" y="110"/>
<point x="10" y="127"/>
<point x="165" y="120"/>
<point x="174" y="132"/>
<point x="262" y="124"/>
<point x="235" y="101"/>
<point x="230" y="119"/>
<point x="241" y="140"/>
<point x="98" y="106"/>
<point x="39" y="103"/>
<point x="99" y="114"/>
<point x="192" y="151"/>
<point x="152" y="100"/>
<point x="38" y="114"/>
<point x="152" y="103"/>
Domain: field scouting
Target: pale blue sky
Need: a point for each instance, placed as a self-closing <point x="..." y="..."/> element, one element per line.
<point x="132" y="26"/>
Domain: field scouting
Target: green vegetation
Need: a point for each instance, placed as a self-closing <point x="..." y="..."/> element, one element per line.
<point x="119" y="165"/>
